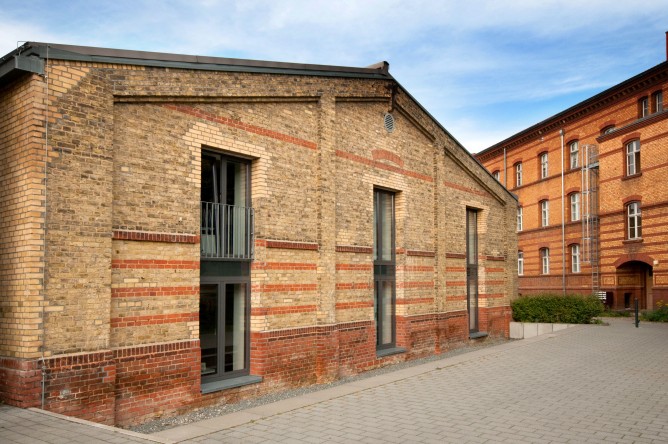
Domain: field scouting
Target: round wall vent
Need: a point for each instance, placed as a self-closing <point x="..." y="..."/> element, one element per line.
<point x="389" y="122"/>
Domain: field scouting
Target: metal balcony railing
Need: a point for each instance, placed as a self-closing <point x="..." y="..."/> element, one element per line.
<point x="227" y="231"/>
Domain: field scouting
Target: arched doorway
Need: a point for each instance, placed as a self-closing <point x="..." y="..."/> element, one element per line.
<point x="634" y="281"/>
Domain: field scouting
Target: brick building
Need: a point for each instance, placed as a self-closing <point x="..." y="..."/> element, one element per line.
<point x="593" y="194"/>
<point x="178" y="231"/>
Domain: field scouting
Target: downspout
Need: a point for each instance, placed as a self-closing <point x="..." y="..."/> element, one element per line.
<point x="563" y="219"/>
<point x="46" y="163"/>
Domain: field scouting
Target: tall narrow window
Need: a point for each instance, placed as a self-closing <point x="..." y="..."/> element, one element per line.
<point x="575" y="154"/>
<point x="518" y="174"/>
<point x="643" y="107"/>
<point x="543" y="166"/>
<point x="633" y="157"/>
<point x="575" y="206"/>
<point x="575" y="258"/>
<point x="545" y="260"/>
<point x="384" y="269"/>
<point x="472" y="268"/>
<point x="544" y="213"/>
<point x="496" y="174"/>
<point x="634" y="220"/>
<point x="520" y="263"/>
<point x="657" y="101"/>
<point x="226" y="248"/>
<point x="519" y="219"/>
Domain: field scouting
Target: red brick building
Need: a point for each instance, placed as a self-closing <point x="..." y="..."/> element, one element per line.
<point x="178" y="231"/>
<point x="591" y="182"/>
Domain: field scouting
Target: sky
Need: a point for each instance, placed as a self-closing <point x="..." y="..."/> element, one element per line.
<point x="485" y="69"/>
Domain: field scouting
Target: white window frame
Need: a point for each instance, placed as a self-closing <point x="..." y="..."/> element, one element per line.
<point x="658" y="101"/>
<point x="520" y="263"/>
<point x="545" y="260"/>
<point x="520" y="219"/>
<point x="575" y="258"/>
<point x="544" y="166"/>
<point x="496" y="174"/>
<point x="644" y="107"/>
<point x="575" y="154"/>
<point x="544" y="213"/>
<point x="575" y="207"/>
<point x="518" y="174"/>
<point x="633" y="157"/>
<point x="634" y="220"/>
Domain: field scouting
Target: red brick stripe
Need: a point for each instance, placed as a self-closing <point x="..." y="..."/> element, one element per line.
<point x="283" y="266"/>
<point x="353" y="305"/>
<point x="242" y="126"/>
<point x="136" y="321"/>
<point x="136" y="292"/>
<point x="353" y="249"/>
<point x="155" y="237"/>
<point x="495" y="258"/>
<point x="420" y="253"/>
<point x="419" y="268"/>
<point x="264" y="311"/>
<point x="146" y="264"/>
<point x="287" y="245"/>
<point x="354" y="267"/>
<point x="463" y="188"/>
<point x="382" y="166"/>
<point x="455" y="269"/>
<point x="353" y="285"/>
<point x="387" y="155"/>
<point x="277" y="288"/>
<point x="415" y="301"/>
<point x="455" y="256"/>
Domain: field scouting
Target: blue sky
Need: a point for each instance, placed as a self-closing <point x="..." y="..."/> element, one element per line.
<point x="485" y="69"/>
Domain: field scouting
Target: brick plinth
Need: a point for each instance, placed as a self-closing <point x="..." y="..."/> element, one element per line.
<point x="20" y="382"/>
<point x="82" y="385"/>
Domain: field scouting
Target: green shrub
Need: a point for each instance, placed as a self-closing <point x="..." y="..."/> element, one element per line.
<point x="658" y="315"/>
<point x="616" y="313"/>
<point x="554" y="308"/>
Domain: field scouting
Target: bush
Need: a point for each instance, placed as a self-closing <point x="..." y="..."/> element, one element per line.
<point x="554" y="308"/>
<point x="658" y="315"/>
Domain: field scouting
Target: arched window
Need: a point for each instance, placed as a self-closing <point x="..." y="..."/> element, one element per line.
<point x="657" y="101"/>
<point x="544" y="165"/>
<point x="575" y="258"/>
<point x="575" y="154"/>
<point x="634" y="221"/>
<point x="633" y="157"/>
<point x="544" y="213"/>
<point x="545" y="260"/>
<point x="575" y="206"/>
<point x="643" y="107"/>
<point x="496" y="174"/>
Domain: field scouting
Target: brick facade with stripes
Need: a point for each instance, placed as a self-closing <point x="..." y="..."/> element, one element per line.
<point x="100" y="266"/>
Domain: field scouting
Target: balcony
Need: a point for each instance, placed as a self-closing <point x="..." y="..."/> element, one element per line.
<point x="227" y="231"/>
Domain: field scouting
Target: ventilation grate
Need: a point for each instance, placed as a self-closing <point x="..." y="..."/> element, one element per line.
<point x="389" y="122"/>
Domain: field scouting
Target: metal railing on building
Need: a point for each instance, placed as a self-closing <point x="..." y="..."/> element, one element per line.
<point x="227" y="231"/>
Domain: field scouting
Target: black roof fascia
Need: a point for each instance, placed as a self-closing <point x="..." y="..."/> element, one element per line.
<point x="144" y="58"/>
<point x="581" y="105"/>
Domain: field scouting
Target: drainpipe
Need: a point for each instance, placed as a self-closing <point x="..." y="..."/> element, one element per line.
<point x="563" y="219"/>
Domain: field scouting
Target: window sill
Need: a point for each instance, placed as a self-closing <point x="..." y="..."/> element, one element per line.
<point x="224" y="384"/>
<point x="633" y="241"/>
<point x="389" y="351"/>
<point x="632" y="176"/>
<point x="478" y="335"/>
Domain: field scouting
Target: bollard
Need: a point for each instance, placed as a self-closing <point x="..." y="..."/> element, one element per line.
<point x="636" y="307"/>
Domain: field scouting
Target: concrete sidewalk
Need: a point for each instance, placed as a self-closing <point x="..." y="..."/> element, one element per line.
<point x="586" y="384"/>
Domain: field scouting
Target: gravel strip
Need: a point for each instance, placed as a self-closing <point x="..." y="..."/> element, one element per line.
<point x="223" y="409"/>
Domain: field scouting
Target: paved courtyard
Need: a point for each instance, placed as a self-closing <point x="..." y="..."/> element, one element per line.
<point x="599" y="384"/>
